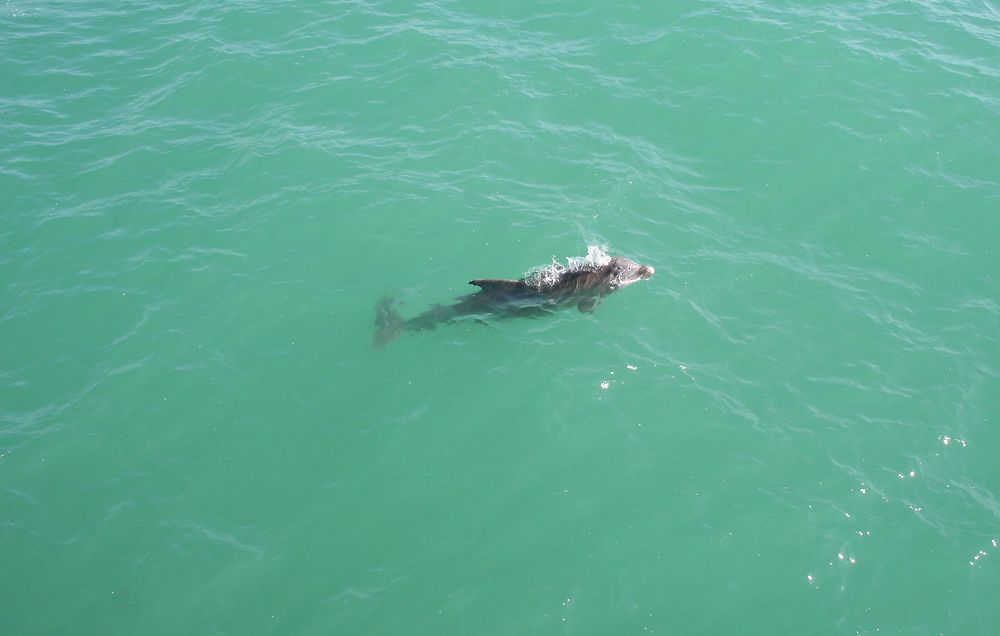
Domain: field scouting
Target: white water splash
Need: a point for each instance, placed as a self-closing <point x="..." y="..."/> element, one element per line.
<point x="597" y="256"/>
<point x="545" y="276"/>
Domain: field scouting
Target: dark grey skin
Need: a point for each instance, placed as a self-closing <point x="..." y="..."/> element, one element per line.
<point x="500" y="298"/>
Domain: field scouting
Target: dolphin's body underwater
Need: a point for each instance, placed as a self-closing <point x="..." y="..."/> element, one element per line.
<point x="583" y="283"/>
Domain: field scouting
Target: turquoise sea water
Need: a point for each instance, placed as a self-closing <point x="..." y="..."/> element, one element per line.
<point x="792" y="428"/>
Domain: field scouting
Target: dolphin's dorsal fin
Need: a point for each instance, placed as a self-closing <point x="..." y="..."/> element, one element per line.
<point x="499" y="284"/>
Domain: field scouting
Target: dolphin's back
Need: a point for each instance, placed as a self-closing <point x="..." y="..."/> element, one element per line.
<point x="501" y="285"/>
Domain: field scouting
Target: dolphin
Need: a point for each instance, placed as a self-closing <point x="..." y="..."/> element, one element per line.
<point x="584" y="283"/>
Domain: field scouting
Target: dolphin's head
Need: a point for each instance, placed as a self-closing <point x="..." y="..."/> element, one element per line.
<point x="624" y="271"/>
